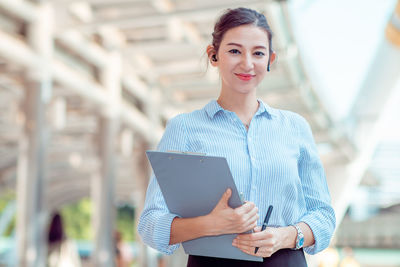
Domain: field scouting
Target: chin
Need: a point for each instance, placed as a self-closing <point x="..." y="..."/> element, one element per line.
<point x="246" y="88"/>
<point x="245" y="91"/>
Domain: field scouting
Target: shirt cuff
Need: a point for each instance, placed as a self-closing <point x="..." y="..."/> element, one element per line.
<point x="162" y="234"/>
<point x="314" y="226"/>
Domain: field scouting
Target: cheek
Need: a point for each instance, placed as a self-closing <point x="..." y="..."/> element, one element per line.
<point x="262" y="70"/>
<point x="225" y="66"/>
<point x="227" y="62"/>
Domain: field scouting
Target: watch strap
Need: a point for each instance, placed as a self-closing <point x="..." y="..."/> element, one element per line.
<point x="299" y="237"/>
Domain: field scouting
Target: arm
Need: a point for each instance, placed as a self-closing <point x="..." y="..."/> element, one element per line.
<point x="161" y="229"/>
<point x="317" y="224"/>
<point x="221" y="220"/>
<point x="272" y="239"/>
<point x="183" y="229"/>
<point x="155" y="220"/>
<point x="320" y="216"/>
<point x="288" y="236"/>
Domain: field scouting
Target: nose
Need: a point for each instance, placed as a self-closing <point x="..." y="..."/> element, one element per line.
<point x="247" y="62"/>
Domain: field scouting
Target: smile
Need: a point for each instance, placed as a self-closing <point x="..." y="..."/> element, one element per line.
<point x="245" y="77"/>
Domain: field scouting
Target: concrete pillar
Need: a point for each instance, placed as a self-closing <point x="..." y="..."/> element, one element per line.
<point x="103" y="199"/>
<point x="141" y="175"/>
<point x="31" y="174"/>
<point x="30" y="179"/>
<point x="143" y="169"/>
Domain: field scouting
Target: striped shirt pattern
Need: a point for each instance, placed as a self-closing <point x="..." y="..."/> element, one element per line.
<point x="274" y="162"/>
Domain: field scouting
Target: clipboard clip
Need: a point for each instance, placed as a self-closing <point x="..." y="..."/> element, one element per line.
<point x="187" y="153"/>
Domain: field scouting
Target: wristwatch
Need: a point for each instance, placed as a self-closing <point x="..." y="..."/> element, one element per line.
<point x="299" y="238"/>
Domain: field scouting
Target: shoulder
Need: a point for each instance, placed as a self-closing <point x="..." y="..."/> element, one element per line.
<point x="291" y="118"/>
<point x="187" y="119"/>
<point x="176" y="120"/>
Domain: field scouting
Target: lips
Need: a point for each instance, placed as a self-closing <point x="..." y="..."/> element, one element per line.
<point x="244" y="77"/>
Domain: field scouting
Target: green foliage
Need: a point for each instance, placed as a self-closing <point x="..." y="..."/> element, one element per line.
<point x="78" y="223"/>
<point x="10" y="228"/>
<point x="5" y="198"/>
<point x="125" y="223"/>
<point x="77" y="219"/>
<point x="3" y="204"/>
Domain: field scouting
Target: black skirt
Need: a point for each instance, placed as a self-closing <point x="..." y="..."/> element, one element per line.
<point x="281" y="258"/>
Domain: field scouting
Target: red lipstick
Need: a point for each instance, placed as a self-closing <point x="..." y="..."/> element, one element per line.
<point x="244" y="77"/>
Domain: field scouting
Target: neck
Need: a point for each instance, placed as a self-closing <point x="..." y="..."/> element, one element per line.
<point x="244" y="105"/>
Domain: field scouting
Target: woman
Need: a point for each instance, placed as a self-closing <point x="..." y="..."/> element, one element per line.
<point x="271" y="154"/>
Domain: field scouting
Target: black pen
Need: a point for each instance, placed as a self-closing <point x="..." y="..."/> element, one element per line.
<point x="265" y="222"/>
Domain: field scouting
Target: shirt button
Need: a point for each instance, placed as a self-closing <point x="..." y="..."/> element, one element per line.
<point x="249" y="138"/>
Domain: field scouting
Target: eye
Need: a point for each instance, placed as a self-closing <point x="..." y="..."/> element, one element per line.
<point x="259" y="53"/>
<point x="234" y="51"/>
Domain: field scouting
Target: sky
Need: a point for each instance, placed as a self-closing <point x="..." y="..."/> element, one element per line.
<point x="338" y="40"/>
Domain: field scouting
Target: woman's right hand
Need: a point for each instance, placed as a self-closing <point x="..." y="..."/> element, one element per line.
<point x="226" y="220"/>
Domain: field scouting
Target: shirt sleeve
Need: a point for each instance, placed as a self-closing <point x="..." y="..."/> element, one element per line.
<point x="155" y="221"/>
<point x="320" y="216"/>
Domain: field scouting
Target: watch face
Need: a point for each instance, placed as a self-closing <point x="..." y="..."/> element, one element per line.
<point x="301" y="242"/>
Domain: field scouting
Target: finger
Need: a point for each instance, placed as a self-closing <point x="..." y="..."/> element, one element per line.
<point x="258" y="234"/>
<point x="245" y="208"/>
<point x="225" y="197"/>
<point x="251" y="217"/>
<point x="249" y="243"/>
<point x="252" y="236"/>
<point x="248" y="206"/>
<point x="261" y="252"/>
<point x="252" y="214"/>
<point x="249" y="225"/>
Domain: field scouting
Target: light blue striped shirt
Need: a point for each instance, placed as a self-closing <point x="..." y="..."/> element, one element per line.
<point x="274" y="163"/>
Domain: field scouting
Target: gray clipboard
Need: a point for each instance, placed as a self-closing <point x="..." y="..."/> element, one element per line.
<point x="192" y="185"/>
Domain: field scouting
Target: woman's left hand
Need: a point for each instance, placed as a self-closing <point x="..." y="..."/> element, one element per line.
<point x="268" y="242"/>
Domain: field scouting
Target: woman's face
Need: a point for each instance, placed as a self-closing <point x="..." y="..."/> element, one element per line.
<point x="242" y="58"/>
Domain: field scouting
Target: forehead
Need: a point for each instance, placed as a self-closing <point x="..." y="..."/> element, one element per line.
<point x="248" y="35"/>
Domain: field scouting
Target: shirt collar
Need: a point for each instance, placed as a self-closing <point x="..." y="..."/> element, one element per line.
<point x="266" y="110"/>
<point x="213" y="108"/>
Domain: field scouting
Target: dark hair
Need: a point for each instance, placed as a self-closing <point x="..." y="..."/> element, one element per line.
<point x="236" y="17"/>
<point x="56" y="230"/>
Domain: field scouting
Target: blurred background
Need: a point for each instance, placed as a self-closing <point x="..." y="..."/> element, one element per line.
<point x="87" y="86"/>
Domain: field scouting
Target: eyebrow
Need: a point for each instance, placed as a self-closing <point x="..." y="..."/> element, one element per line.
<point x="258" y="46"/>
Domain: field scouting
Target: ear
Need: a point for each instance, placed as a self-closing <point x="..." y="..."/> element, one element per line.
<point x="272" y="57"/>
<point x="210" y="52"/>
